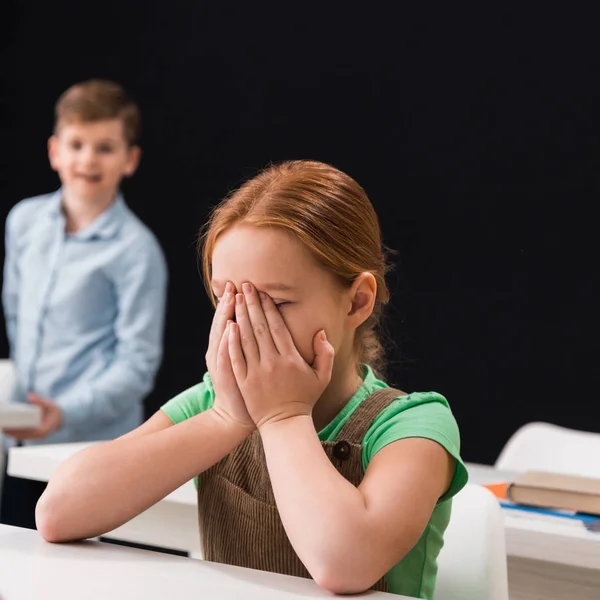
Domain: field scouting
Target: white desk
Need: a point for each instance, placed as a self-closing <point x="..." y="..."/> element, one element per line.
<point x="532" y="538"/>
<point x="547" y="560"/>
<point x="31" y="569"/>
<point x="171" y="523"/>
<point x="545" y="556"/>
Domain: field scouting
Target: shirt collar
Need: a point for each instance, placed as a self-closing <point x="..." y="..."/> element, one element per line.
<point x="54" y="205"/>
<point x="105" y="225"/>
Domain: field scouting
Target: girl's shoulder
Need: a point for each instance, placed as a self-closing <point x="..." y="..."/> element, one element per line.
<point x="419" y="414"/>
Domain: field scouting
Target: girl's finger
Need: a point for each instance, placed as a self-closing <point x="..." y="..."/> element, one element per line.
<point x="223" y="362"/>
<point x="225" y="311"/>
<point x="246" y="333"/>
<point x="258" y="320"/>
<point x="324" y="357"/>
<point x="236" y="354"/>
<point x="282" y="338"/>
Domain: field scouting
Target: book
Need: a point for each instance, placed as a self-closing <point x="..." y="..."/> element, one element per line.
<point x="590" y="522"/>
<point x="556" y="491"/>
<point x="8" y="379"/>
<point x="19" y="416"/>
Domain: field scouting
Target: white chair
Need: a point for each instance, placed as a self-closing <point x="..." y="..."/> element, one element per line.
<point x="542" y="446"/>
<point x="472" y="563"/>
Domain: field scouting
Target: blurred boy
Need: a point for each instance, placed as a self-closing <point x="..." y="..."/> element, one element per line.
<point x="84" y="287"/>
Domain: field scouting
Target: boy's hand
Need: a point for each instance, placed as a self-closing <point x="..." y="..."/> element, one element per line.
<point x="228" y="399"/>
<point x="51" y="420"/>
<point x="274" y="379"/>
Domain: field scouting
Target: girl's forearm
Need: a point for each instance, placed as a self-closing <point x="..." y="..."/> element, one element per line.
<point x="324" y="515"/>
<point x="107" y="484"/>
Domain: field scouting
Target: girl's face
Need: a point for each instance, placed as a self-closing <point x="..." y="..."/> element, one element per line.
<point x="309" y="297"/>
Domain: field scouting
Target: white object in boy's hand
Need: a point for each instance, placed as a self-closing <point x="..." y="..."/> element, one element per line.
<point x="19" y="416"/>
<point x="8" y="380"/>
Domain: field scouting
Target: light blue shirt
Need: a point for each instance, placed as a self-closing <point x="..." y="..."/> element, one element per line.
<point x="84" y="315"/>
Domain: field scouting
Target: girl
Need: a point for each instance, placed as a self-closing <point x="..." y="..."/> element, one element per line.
<point x="307" y="463"/>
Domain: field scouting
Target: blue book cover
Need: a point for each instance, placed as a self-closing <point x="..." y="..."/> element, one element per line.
<point x="590" y="522"/>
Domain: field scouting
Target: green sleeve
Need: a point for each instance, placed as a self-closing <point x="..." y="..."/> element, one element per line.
<point x="425" y="415"/>
<point x="191" y="402"/>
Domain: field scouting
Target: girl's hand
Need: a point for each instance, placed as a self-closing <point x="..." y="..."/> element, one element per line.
<point x="274" y="379"/>
<point x="228" y="399"/>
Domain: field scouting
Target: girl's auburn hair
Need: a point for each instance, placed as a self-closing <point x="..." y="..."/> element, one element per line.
<point x="329" y="212"/>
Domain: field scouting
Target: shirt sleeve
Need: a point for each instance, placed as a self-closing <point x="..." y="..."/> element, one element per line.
<point x="10" y="285"/>
<point x="140" y="288"/>
<point x="425" y="415"/>
<point x="191" y="402"/>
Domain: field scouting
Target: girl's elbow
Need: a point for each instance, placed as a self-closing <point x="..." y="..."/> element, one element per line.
<point x="341" y="579"/>
<point x="46" y="526"/>
<point x="50" y="522"/>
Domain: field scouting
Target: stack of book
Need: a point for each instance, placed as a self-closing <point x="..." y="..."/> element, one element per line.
<point x="546" y="495"/>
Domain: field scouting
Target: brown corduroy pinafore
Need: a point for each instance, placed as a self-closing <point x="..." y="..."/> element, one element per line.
<point x="239" y="521"/>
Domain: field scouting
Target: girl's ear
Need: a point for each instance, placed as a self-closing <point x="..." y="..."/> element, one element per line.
<point x="363" y="294"/>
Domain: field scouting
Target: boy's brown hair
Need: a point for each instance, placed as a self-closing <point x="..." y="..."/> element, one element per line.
<point x="99" y="100"/>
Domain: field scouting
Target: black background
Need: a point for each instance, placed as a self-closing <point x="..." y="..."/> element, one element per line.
<point x="475" y="135"/>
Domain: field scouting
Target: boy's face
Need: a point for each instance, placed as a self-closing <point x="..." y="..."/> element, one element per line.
<point x="91" y="158"/>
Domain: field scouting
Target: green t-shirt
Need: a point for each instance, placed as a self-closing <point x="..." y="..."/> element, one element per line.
<point x="425" y="415"/>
